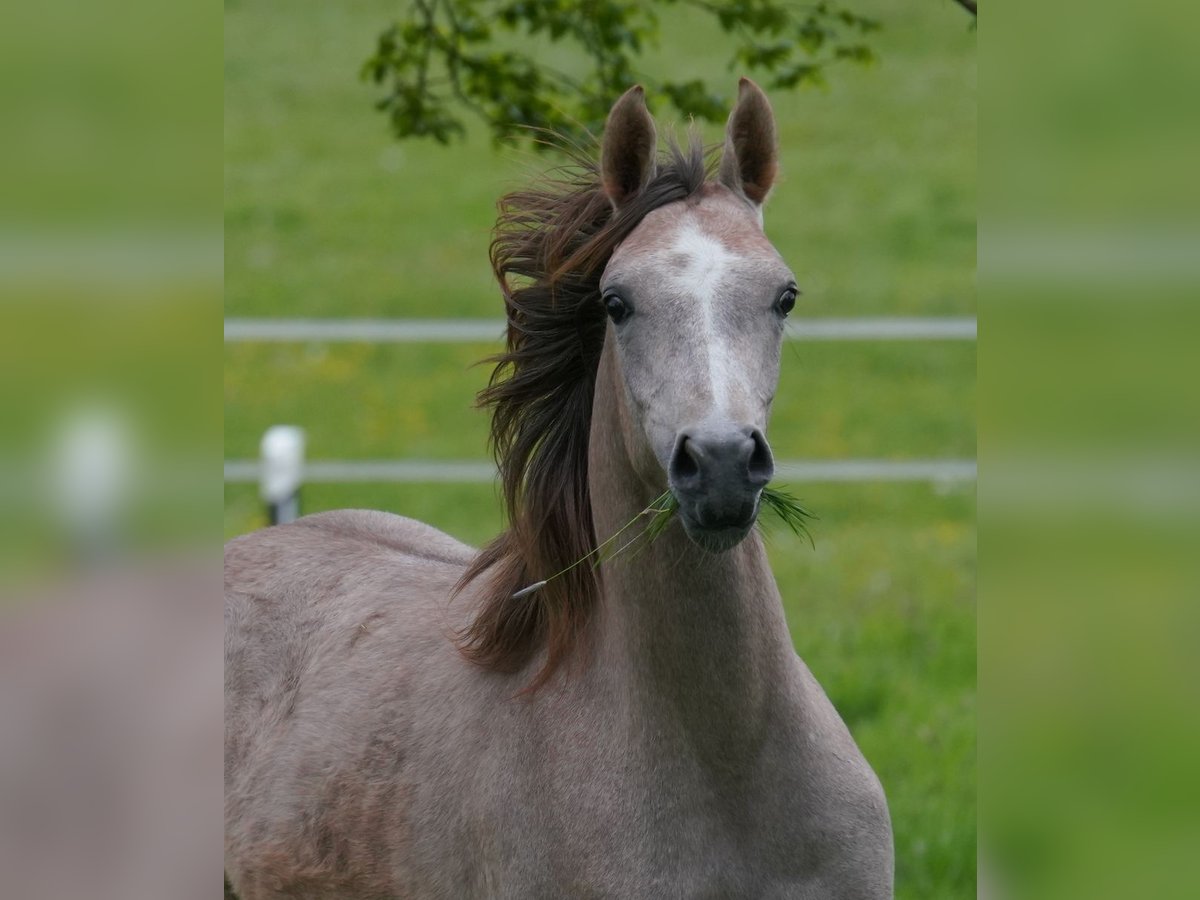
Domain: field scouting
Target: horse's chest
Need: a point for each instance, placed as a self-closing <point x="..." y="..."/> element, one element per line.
<point x="618" y="820"/>
<point x="606" y="808"/>
<point x="625" y="829"/>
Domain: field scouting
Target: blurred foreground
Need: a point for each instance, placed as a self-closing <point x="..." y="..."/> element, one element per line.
<point x="110" y="287"/>
<point x="1089" y="267"/>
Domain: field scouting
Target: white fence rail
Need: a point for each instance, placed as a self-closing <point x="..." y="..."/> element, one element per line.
<point x="383" y="471"/>
<point x="454" y="331"/>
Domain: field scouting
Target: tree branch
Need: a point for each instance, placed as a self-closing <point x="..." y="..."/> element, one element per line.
<point x="442" y="58"/>
<point x="427" y="13"/>
<point x="969" y="5"/>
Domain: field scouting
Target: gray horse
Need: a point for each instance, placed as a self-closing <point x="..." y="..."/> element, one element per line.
<point x="403" y="719"/>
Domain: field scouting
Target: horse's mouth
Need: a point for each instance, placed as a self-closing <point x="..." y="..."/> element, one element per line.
<point x="717" y="537"/>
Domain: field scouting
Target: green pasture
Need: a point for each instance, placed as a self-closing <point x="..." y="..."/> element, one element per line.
<point x="326" y="215"/>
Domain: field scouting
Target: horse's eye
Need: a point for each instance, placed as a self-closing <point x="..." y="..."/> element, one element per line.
<point x="617" y="309"/>
<point x="786" y="301"/>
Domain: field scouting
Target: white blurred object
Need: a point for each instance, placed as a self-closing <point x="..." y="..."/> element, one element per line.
<point x="91" y="472"/>
<point x="282" y="456"/>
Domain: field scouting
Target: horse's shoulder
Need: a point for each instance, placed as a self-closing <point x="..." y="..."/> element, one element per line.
<point x="823" y="783"/>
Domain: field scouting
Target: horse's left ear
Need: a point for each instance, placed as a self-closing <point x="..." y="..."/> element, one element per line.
<point x="750" y="159"/>
<point x="627" y="154"/>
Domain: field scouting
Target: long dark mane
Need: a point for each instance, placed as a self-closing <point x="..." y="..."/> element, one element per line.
<point x="550" y="246"/>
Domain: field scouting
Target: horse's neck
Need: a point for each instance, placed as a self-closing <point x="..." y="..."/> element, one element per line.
<point x="696" y="636"/>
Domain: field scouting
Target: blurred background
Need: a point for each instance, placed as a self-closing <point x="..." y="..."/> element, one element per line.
<point x="1089" y="267"/>
<point x="329" y="217"/>
<point x="110" y="450"/>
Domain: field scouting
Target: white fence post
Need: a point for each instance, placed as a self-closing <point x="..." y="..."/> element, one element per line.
<point x="281" y="474"/>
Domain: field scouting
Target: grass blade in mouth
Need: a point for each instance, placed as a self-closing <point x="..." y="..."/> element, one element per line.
<point x="661" y="512"/>
<point x="789" y="511"/>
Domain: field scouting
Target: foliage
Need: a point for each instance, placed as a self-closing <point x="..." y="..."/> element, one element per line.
<point x="487" y="56"/>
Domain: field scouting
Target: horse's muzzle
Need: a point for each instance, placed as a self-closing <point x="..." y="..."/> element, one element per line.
<point x="717" y="473"/>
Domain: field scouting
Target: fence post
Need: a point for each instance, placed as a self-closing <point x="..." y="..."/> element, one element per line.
<point x="282" y="472"/>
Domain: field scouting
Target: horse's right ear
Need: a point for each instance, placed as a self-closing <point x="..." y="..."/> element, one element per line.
<point x="630" y="141"/>
<point x="750" y="160"/>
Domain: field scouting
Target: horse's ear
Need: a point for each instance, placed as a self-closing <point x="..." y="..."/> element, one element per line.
<point x="627" y="154"/>
<point x="750" y="159"/>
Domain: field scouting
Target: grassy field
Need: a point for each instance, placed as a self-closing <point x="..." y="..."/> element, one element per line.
<point x="327" y="216"/>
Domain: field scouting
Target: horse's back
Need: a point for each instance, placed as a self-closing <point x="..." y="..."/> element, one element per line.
<point x="328" y="622"/>
<point x="315" y="538"/>
<point x="308" y="595"/>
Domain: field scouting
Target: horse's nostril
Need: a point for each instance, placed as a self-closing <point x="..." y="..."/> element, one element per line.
<point x="685" y="462"/>
<point x="761" y="466"/>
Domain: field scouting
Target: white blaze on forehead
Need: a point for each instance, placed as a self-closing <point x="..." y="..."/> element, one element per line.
<point x="705" y="263"/>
